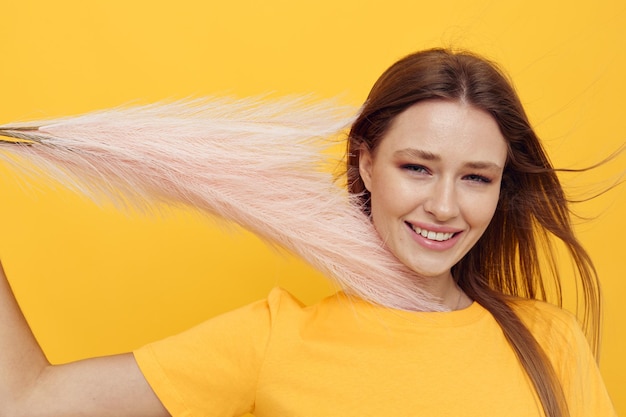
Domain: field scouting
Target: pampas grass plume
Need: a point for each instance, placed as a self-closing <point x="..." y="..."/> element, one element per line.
<point x="255" y="162"/>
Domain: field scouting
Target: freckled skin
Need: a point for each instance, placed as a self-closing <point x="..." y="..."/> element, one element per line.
<point x="438" y="167"/>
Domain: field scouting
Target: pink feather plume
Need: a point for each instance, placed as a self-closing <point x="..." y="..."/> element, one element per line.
<point x="254" y="162"/>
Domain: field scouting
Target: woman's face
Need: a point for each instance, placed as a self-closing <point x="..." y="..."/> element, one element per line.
<point x="434" y="181"/>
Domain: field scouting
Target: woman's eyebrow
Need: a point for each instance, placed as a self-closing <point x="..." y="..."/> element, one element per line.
<point x="483" y="165"/>
<point x="417" y="153"/>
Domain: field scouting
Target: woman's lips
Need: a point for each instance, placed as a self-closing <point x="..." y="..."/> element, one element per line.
<point x="433" y="238"/>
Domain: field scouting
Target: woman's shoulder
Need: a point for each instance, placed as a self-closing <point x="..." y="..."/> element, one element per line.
<point x="532" y="308"/>
<point x="283" y="302"/>
<point x="548" y="322"/>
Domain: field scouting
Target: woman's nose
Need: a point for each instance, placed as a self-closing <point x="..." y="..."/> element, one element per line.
<point x="442" y="202"/>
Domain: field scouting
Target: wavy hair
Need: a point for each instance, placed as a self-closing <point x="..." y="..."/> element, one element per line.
<point x="532" y="210"/>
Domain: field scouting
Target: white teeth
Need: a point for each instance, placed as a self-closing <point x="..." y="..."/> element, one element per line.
<point x="440" y="237"/>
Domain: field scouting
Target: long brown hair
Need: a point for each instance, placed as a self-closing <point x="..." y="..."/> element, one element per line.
<point x="532" y="209"/>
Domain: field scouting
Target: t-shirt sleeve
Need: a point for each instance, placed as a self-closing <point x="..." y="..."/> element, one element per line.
<point x="211" y="369"/>
<point x="582" y="382"/>
<point x="568" y="349"/>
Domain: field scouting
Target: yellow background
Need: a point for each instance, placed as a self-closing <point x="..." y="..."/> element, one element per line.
<point x="94" y="281"/>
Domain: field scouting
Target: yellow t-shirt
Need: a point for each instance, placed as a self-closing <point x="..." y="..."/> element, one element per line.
<point x="345" y="357"/>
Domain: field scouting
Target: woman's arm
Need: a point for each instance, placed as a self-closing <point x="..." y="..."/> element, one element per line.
<point x="31" y="387"/>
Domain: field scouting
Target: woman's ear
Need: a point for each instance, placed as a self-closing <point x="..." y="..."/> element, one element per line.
<point x="365" y="166"/>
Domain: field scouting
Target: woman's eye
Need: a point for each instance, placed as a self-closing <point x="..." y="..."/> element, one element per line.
<point x="414" y="168"/>
<point x="478" y="178"/>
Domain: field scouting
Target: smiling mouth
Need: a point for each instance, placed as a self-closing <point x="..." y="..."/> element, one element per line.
<point x="430" y="235"/>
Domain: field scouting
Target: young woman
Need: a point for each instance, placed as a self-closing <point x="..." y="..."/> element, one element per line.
<point x="456" y="183"/>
